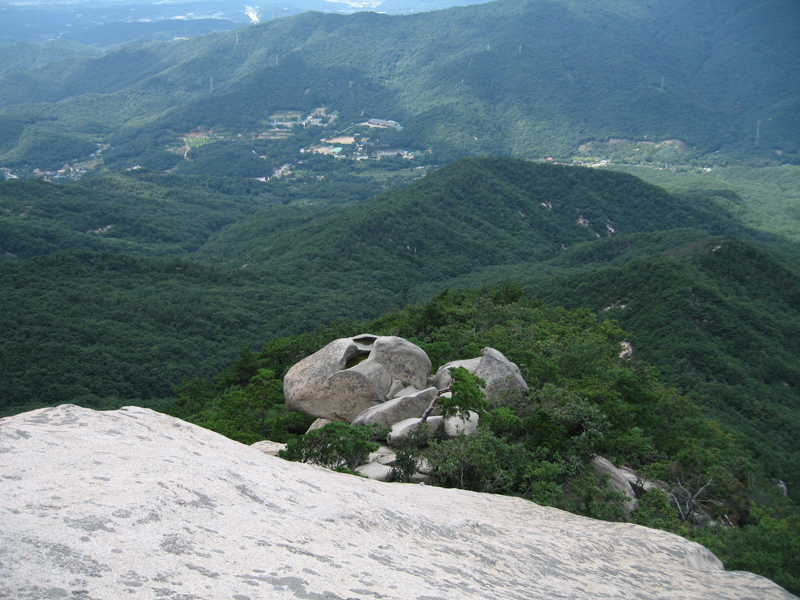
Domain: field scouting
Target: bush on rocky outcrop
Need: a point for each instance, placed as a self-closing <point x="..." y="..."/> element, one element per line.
<point x="335" y="446"/>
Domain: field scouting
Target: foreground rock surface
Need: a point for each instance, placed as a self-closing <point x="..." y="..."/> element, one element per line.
<point x="135" y="504"/>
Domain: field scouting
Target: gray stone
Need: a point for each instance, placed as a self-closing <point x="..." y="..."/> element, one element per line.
<point x="442" y="380"/>
<point x="403" y="360"/>
<point x="398" y="409"/>
<point x="344" y="395"/>
<point x="189" y="513"/>
<point x="373" y="470"/>
<point x="420" y="478"/>
<point x="501" y="375"/>
<point x="383" y="455"/>
<point x="268" y="447"/>
<point x="395" y="389"/>
<point x="322" y="385"/>
<point x="305" y="386"/>
<point x="318" y="424"/>
<point x="374" y="373"/>
<point x="406" y="391"/>
<point x="641" y="484"/>
<point x="781" y="486"/>
<point x="617" y="481"/>
<point x="403" y="428"/>
<point x="455" y="426"/>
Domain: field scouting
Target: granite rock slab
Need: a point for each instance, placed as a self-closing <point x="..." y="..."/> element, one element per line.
<point x="136" y="504"/>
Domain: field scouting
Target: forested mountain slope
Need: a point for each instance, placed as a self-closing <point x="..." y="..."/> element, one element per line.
<point x="720" y="319"/>
<point x="469" y="214"/>
<point x="280" y="271"/>
<point x="530" y="78"/>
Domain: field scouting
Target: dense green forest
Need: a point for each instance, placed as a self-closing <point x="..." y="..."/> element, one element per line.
<point x="194" y="268"/>
<point x="200" y="263"/>
<point x="534" y="78"/>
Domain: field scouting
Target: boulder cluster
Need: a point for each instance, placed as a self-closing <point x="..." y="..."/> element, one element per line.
<point x="386" y="381"/>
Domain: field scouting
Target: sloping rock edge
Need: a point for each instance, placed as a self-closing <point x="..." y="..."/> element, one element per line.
<point x="134" y="503"/>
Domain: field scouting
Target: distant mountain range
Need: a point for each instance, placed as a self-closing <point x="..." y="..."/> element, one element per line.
<point x="533" y="79"/>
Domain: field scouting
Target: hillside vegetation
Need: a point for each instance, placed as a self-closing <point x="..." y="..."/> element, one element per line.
<point x="178" y="260"/>
<point x="120" y="287"/>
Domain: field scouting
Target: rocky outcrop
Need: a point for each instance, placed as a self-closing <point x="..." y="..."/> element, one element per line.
<point x="327" y="386"/>
<point x="135" y="504"/>
<point x="501" y="375"/>
<point x="450" y="426"/>
<point x="383" y="382"/>
<point x="617" y="481"/>
<point x="398" y="409"/>
<point x="268" y="447"/>
<point x="406" y="426"/>
<point x="306" y="387"/>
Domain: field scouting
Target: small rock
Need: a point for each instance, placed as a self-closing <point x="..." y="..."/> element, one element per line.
<point x="318" y="424"/>
<point x="455" y="426"/>
<point x="403" y="428"/>
<point x="616" y="480"/>
<point x="383" y="455"/>
<point x="269" y="447"/>
<point x="375" y="471"/>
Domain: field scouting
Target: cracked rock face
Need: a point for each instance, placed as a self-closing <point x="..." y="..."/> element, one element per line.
<point x="398" y="409"/>
<point x="135" y="504"/>
<point x="326" y="385"/>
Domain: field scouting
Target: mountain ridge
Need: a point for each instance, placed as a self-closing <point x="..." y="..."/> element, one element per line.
<point x="531" y="79"/>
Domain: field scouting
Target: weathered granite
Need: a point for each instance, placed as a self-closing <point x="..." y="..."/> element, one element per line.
<point x="304" y="385"/>
<point x="402" y="359"/>
<point x="398" y="409"/>
<point x="501" y="375"/>
<point x="374" y="470"/>
<point x="442" y="379"/>
<point x="322" y="385"/>
<point x="457" y="425"/>
<point x="383" y="455"/>
<point x="268" y="447"/>
<point x="318" y="424"/>
<point x="617" y="481"/>
<point x="406" y="426"/>
<point x="136" y="504"/>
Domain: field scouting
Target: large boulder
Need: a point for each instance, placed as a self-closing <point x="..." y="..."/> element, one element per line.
<point x="501" y="375"/>
<point x="135" y="504"/>
<point x="306" y="388"/>
<point x="617" y="481"/>
<point x="398" y="409"/>
<point x="458" y="425"/>
<point x="332" y="384"/>
<point x="448" y="427"/>
<point x="407" y="426"/>
<point x="403" y="361"/>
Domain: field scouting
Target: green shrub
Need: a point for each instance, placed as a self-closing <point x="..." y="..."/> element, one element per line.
<point x="334" y="446"/>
